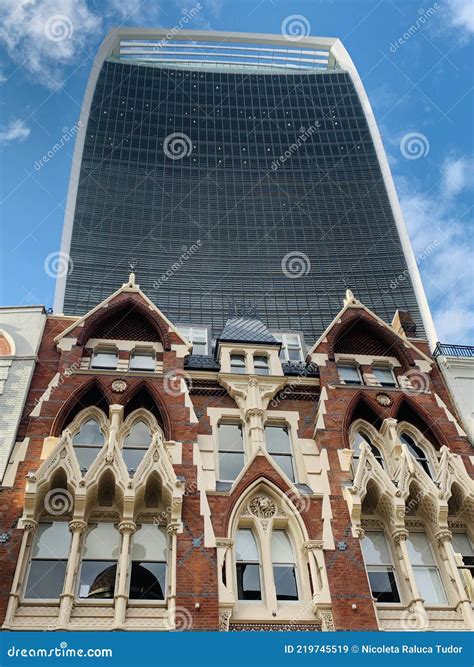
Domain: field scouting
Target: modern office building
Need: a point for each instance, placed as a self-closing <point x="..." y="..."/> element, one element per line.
<point x="234" y="168"/>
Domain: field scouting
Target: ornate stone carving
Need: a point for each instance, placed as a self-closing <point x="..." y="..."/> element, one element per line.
<point x="77" y="526"/>
<point x="310" y="545"/>
<point x="29" y="525"/>
<point x="383" y="399"/>
<point x="327" y="620"/>
<point x="444" y="535"/>
<point x="173" y="528"/>
<point x="118" y="386"/>
<point x="262" y="507"/>
<point x="400" y="535"/>
<point x="224" y="620"/>
<point x="127" y="527"/>
<point x="224" y="542"/>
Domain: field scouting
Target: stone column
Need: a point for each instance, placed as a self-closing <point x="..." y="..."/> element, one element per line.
<point x="444" y="537"/>
<point x="399" y="536"/>
<point x="172" y="530"/>
<point x="77" y="528"/>
<point x="314" y="551"/>
<point x="115" y="415"/>
<point x="126" y="528"/>
<point x="29" y="527"/>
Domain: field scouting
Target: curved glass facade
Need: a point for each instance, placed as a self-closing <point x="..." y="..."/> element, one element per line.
<point x="279" y="199"/>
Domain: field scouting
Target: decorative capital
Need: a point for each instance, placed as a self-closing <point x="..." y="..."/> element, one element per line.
<point x="127" y="527"/>
<point x="29" y="525"/>
<point x="444" y="535"/>
<point x="173" y="528"/>
<point x="254" y="412"/>
<point x="311" y="545"/>
<point x="400" y="535"/>
<point x="77" y="526"/>
<point x="359" y="532"/>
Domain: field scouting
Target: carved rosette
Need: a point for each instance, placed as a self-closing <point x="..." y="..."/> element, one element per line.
<point x="118" y="386"/>
<point x="262" y="507"/>
<point x="383" y="399"/>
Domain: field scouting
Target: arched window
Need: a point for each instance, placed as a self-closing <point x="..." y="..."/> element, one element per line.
<point x="284" y="568"/>
<point x="48" y="561"/>
<point x="87" y="442"/>
<point x="361" y="438"/>
<point x="136" y="444"/>
<point x="247" y="566"/>
<point x="260" y="364"/>
<point x="417" y="452"/>
<point x="99" y="562"/>
<point x="149" y="556"/>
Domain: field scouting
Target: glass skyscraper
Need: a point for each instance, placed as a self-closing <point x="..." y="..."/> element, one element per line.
<point x="234" y="169"/>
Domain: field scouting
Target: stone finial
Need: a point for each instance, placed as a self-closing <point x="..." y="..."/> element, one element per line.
<point x="349" y="297"/>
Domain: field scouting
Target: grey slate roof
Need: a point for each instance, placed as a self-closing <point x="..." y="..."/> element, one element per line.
<point x="246" y="330"/>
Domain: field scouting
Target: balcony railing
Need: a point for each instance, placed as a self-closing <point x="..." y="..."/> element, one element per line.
<point x="453" y="350"/>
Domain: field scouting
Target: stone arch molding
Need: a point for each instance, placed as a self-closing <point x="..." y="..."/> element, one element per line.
<point x="81" y="490"/>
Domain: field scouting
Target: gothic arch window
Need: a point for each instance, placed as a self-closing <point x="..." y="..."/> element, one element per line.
<point x="137" y="435"/>
<point x="148" y="567"/>
<point x="248" y="566"/>
<point x="88" y="438"/>
<point x="98" y="571"/>
<point x="418" y="447"/>
<point x="362" y="433"/>
<point x="284" y="566"/>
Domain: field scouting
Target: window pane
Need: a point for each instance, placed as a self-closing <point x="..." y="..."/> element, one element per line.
<point x="285" y="462"/>
<point x="132" y="457"/>
<point x="429" y="585"/>
<point x="230" y="437"/>
<point x="149" y="543"/>
<point x="237" y="363"/>
<point x="248" y="581"/>
<point x="139" y="436"/>
<point x="462" y="545"/>
<point x="281" y="547"/>
<point x="199" y="347"/>
<point x="246" y="547"/>
<point x="294" y="354"/>
<point x="419" y="550"/>
<point x="104" y="360"/>
<point x="357" y="441"/>
<point x="148" y="581"/>
<point x="144" y="362"/>
<point x="89" y="434"/>
<point x="97" y="579"/>
<point x="86" y="456"/>
<point x="375" y="549"/>
<point x="46" y="579"/>
<point x="285" y="582"/>
<point x="52" y="540"/>
<point x="102" y="542"/>
<point x="277" y="439"/>
<point x="350" y="374"/>
<point x="383" y="585"/>
<point x="230" y="465"/>
<point x="384" y="376"/>
<point x="260" y="365"/>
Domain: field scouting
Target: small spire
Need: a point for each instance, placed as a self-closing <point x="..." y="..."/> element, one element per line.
<point x="349" y="297"/>
<point x="132" y="265"/>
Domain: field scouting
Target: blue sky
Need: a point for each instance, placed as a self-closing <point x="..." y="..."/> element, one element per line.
<point x="416" y="63"/>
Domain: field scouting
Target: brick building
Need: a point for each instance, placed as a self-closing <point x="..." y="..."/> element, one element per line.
<point x="168" y="484"/>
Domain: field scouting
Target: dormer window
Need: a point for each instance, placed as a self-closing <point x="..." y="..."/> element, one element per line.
<point x="237" y="364"/>
<point x="197" y="337"/>
<point x="105" y="359"/>
<point x="291" y="347"/>
<point x="260" y="365"/>
<point x="349" y="374"/>
<point x="142" y="360"/>
<point x="384" y="375"/>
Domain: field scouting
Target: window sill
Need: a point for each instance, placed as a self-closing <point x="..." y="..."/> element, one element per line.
<point x="147" y="603"/>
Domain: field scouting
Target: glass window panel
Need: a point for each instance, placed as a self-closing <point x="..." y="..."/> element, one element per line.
<point x="52" y="540"/>
<point x="384" y="376"/>
<point x="102" y="542"/>
<point x="132" y="457"/>
<point x="462" y="544"/>
<point x="350" y="374"/>
<point x="103" y="359"/>
<point x="260" y="365"/>
<point x="139" y="436"/>
<point x="375" y="549"/>
<point x="97" y="579"/>
<point x="285" y="462"/>
<point x="230" y="437"/>
<point x="142" y="362"/>
<point x="357" y="441"/>
<point x="281" y="547"/>
<point x="248" y="581"/>
<point x="148" y="581"/>
<point x="429" y="585"/>
<point x="419" y="549"/>
<point x="237" y="363"/>
<point x="230" y="465"/>
<point x="89" y="434"/>
<point x="383" y="585"/>
<point x="277" y="439"/>
<point x="46" y="579"/>
<point x="149" y="543"/>
<point x="246" y="546"/>
<point x="86" y="456"/>
<point x="285" y="582"/>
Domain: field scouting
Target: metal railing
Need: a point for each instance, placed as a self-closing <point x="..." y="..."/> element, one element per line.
<point x="453" y="350"/>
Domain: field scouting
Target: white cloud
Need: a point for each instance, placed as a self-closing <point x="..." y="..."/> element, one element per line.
<point x="16" y="130"/>
<point x="45" y="35"/>
<point x="458" y="174"/>
<point x="133" y="11"/>
<point x="461" y="15"/>
<point x="440" y="233"/>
